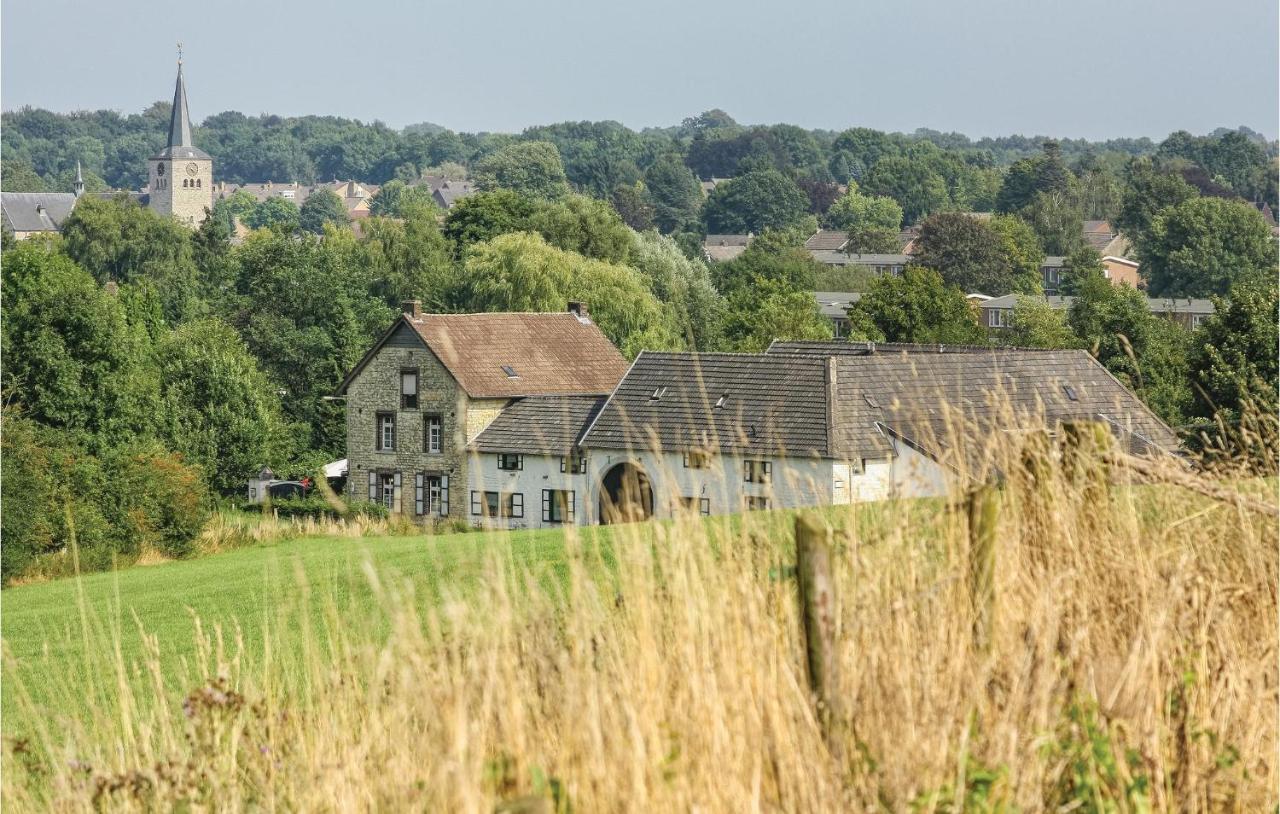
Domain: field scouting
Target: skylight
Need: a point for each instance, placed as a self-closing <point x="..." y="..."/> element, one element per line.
<point x="1071" y="392"/>
<point x="510" y="371"/>
<point x="720" y="401"/>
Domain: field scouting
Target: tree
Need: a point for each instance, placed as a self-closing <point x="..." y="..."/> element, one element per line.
<point x="117" y="240"/>
<point x="975" y="257"/>
<point x="631" y="202"/>
<point x="1036" y="324"/>
<point x="916" y="306"/>
<point x="1205" y="246"/>
<point x="19" y="176"/>
<point x="275" y="213"/>
<point x="684" y="286"/>
<point x="485" y="215"/>
<point x="72" y="359"/>
<point x="522" y="272"/>
<point x="765" y="199"/>
<point x="857" y="212"/>
<point x="1147" y="191"/>
<point x="1078" y="265"/>
<point x="322" y="208"/>
<point x="1057" y="219"/>
<point x="584" y="225"/>
<point x="1045" y="173"/>
<point x="675" y="193"/>
<point x="409" y="259"/>
<point x="532" y="168"/>
<point x="1233" y="355"/>
<point x="1147" y="353"/>
<point x="1020" y="248"/>
<point x="769" y="293"/>
<point x="235" y="206"/>
<point x="219" y="411"/>
<point x="919" y="189"/>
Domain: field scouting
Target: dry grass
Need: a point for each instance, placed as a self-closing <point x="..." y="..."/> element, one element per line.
<point x="226" y="531"/>
<point x="1132" y="666"/>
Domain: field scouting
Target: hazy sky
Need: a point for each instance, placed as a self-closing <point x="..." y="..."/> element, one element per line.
<point x="1091" y="68"/>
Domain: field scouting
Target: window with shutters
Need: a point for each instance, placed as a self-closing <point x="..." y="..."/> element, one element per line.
<point x="510" y="461"/>
<point x="558" y="505"/>
<point x="757" y="471"/>
<point x="757" y="504"/>
<point x="386" y="440"/>
<point x="696" y="459"/>
<point x="430" y="494"/>
<point x="387" y="491"/>
<point x="497" y="504"/>
<point x="573" y="464"/>
<point x="434" y="433"/>
<point x="701" y="505"/>
<point x="409" y="389"/>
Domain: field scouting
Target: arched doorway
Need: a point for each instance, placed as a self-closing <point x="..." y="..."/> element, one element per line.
<point x="625" y="495"/>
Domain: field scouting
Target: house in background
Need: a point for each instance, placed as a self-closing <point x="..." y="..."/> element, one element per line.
<point x="434" y="382"/>
<point x="722" y="248"/>
<point x="834" y="305"/>
<point x="26" y="214"/>
<point x="1051" y="274"/>
<point x="878" y="264"/>
<point x="830" y="240"/>
<point x="997" y="312"/>
<point x="447" y="193"/>
<point x="1121" y="271"/>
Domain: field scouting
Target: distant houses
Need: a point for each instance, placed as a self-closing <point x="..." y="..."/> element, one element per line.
<point x="997" y="312"/>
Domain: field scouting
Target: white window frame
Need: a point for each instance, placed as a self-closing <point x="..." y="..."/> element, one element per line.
<point x="434" y="433"/>
<point x="386" y="432"/>
<point x="559" y="501"/>
<point x="756" y="470"/>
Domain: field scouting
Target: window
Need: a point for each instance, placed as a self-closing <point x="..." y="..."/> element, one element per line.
<point x="510" y="462"/>
<point x="997" y="318"/>
<point x="386" y="441"/>
<point x="757" y="471"/>
<point x="701" y="505"/>
<point x="573" y="464"/>
<point x="557" y="506"/>
<point x="434" y="430"/>
<point x="1071" y="392"/>
<point x="431" y="494"/>
<point x="696" y="459"/>
<point x="387" y="490"/>
<point x="757" y="504"/>
<point x="408" y="390"/>
<point x="495" y="504"/>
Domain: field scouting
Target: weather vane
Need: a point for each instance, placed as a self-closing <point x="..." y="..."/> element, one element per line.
<point x="179" y="53"/>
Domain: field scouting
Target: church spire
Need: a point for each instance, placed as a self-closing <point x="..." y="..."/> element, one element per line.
<point x="180" y="119"/>
<point x="78" y="188"/>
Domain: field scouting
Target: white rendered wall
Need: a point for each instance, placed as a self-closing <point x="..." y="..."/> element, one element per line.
<point x="916" y="475"/>
<point x="540" y="472"/>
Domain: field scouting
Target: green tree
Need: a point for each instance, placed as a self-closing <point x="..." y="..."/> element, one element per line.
<point x="409" y="259"/>
<point x="918" y="188"/>
<point x="1057" y="218"/>
<point x="72" y="359"/>
<point x="768" y="291"/>
<point x="220" y="411"/>
<point x="1029" y="177"/>
<point x="1148" y="190"/>
<point x="235" y="206"/>
<point x="532" y="168"/>
<point x="675" y="193"/>
<point x="275" y="213"/>
<point x="1020" y="248"/>
<point x="857" y="212"/>
<point x="117" y="240"/>
<point x="1147" y="353"/>
<point x="1205" y="246"/>
<point x="1078" y="265"/>
<point x="584" y="225"/>
<point x="682" y="285"/>
<point x="632" y="203"/>
<point x="975" y="256"/>
<point x="1233" y="355"/>
<point x="322" y="208"/>
<point x="1036" y="324"/>
<point x="764" y="199"/>
<point x="916" y="306"/>
<point x="17" y="175"/>
<point x="522" y="272"/>
<point x="485" y="215"/>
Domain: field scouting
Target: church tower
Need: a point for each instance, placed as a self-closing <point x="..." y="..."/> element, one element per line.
<point x="181" y="174"/>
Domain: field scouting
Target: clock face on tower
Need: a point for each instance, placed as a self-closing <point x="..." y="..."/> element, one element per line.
<point x="193" y="168"/>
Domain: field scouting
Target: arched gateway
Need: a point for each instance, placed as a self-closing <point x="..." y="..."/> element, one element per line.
<point x="626" y="495"/>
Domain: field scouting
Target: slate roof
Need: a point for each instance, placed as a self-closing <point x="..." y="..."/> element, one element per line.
<point x="450" y="192"/>
<point x="180" y="144"/>
<point x="36" y="211"/>
<point x="953" y="403"/>
<point x="549" y="354"/>
<point x="726" y="240"/>
<point x="827" y="240"/>
<point x="770" y="404"/>
<point x="540" y="425"/>
<point x="835" y="303"/>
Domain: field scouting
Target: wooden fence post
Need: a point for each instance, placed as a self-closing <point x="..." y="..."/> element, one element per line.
<point x="817" y="595"/>
<point x="984" y="515"/>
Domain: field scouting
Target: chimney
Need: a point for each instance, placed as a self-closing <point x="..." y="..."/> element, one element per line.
<point x="412" y="308"/>
<point x="579" y="310"/>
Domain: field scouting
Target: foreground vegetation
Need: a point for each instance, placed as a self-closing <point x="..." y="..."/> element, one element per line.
<point x="1130" y="667"/>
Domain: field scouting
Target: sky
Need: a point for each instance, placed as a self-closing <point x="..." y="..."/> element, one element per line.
<point x="1086" y="68"/>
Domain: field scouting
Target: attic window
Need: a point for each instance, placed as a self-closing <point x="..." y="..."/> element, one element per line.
<point x="1071" y="392"/>
<point x="510" y="371"/>
<point x="658" y="392"/>
<point x="720" y="401"/>
<point x="871" y="400"/>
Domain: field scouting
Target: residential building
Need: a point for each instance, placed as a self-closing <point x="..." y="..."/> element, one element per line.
<point x="721" y="248"/>
<point x="450" y="192"/>
<point x="1121" y="271"/>
<point x="1051" y="274"/>
<point x="827" y="240"/>
<point x="880" y="264"/>
<point x="25" y="214"/>
<point x="807" y="423"/>
<point x="997" y="312"/>
<point x="834" y="305"/>
<point x="434" y="382"/>
<point x="1098" y="234"/>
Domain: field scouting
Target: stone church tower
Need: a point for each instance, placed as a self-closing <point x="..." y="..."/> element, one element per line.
<point x="181" y="174"/>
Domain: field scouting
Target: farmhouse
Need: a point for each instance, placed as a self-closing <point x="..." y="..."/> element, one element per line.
<point x="432" y="382"/>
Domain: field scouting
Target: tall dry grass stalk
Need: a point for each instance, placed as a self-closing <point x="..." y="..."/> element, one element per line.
<point x="1128" y="662"/>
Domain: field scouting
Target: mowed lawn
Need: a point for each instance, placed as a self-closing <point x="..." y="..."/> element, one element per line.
<point x="57" y="632"/>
